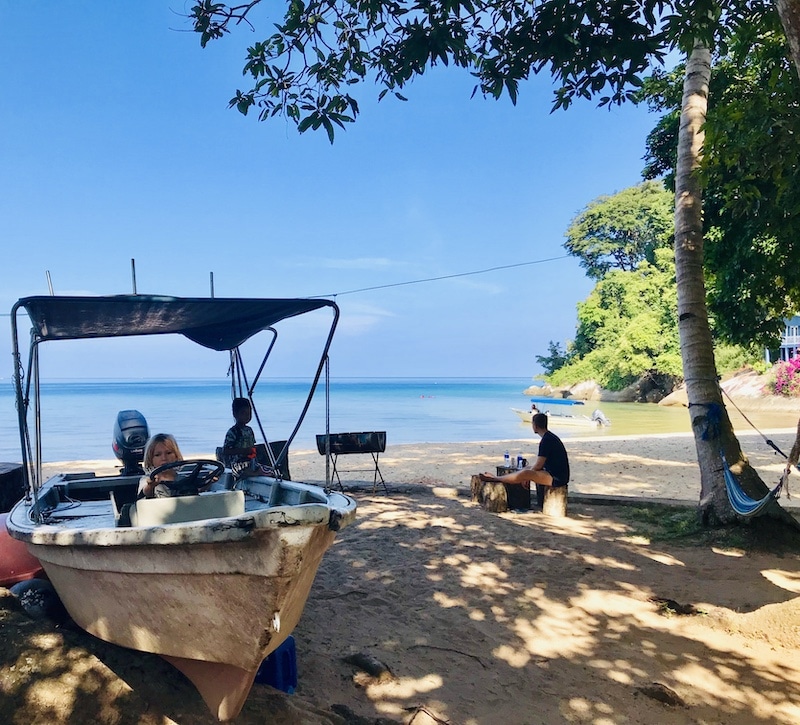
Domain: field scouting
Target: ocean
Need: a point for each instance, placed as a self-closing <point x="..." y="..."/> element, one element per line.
<point x="78" y="415"/>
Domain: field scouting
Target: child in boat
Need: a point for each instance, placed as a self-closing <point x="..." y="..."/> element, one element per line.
<point x="239" y="448"/>
<point x="160" y="449"/>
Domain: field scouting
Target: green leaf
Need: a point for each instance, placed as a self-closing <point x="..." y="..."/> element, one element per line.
<point x="328" y="127"/>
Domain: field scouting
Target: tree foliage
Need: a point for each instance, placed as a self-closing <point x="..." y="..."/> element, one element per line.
<point x="307" y="69"/>
<point x="751" y="177"/>
<point x="627" y="327"/>
<point x="556" y="358"/>
<point x="622" y="230"/>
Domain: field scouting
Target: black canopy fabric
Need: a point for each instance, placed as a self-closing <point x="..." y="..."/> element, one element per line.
<point x="215" y="323"/>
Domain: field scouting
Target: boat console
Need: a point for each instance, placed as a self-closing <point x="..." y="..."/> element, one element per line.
<point x="181" y="509"/>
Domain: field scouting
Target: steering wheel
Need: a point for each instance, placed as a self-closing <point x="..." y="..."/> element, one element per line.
<point x="202" y="473"/>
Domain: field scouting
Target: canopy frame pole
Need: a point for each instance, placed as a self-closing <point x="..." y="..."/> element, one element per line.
<point x="328" y="481"/>
<point x="30" y="469"/>
<point x="318" y="373"/>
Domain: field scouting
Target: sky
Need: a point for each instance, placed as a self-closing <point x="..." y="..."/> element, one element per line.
<point x="116" y="143"/>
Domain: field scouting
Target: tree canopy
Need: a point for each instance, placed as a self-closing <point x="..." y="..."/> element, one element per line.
<point x="308" y="67"/>
<point x="622" y="230"/>
<point x="751" y="176"/>
<point x="626" y="327"/>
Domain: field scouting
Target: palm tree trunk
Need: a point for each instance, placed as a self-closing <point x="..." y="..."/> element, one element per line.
<point x="713" y="432"/>
<point x="789" y="12"/>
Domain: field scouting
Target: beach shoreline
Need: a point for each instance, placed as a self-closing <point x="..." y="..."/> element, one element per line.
<point x="655" y="466"/>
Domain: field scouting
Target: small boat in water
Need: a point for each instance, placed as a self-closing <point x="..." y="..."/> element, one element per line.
<point x="558" y="415"/>
<point x="213" y="578"/>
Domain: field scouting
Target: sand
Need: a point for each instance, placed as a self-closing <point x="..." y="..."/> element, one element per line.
<point x="482" y="618"/>
<point x="653" y="466"/>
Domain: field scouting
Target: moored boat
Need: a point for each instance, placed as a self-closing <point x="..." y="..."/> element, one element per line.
<point x="557" y="418"/>
<point x="213" y="578"/>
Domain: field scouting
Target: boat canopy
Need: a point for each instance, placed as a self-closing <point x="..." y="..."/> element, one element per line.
<point x="218" y="323"/>
<point x="556" y="401"/>
<point x="213" y="322"/>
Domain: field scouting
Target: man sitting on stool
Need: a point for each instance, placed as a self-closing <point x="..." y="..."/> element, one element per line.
<point x="551" y="467"/>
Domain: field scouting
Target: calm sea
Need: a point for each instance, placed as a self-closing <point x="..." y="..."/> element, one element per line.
<point x="78" y="416"/>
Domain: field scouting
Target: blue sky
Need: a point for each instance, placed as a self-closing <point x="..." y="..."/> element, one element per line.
<point x="116" y="143"/>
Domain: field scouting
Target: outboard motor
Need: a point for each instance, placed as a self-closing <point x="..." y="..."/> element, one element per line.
<point x="599" y="417"/>
<point x="130" y="437"/>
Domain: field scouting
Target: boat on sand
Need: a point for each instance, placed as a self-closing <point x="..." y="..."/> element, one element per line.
<point x="214" y="577"/>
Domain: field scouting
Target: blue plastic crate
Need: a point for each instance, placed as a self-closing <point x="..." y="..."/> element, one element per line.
<point x="279" y="669"/>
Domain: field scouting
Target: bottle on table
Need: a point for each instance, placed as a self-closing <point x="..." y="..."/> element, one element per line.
<point x="507" y="460"/>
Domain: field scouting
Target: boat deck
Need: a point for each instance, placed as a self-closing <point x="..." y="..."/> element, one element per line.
<point x="95" y="503"/>
<point x="82" y="514"/>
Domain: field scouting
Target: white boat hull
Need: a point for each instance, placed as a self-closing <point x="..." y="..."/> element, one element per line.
<point x="213" y="597"/>
<point x="556" y="420"/>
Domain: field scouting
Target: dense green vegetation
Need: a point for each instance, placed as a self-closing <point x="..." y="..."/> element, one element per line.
<point x="751" y="176"/>
<point x="622" y="230"/>
<point x="627" y="327"/>
<point x="751" y="199"/>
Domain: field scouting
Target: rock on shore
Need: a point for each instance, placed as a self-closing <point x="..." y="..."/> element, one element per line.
<point x="747" y="388"/>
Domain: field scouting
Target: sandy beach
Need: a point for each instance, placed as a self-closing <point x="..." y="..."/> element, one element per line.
<point x="481" y="618"/>
<point x="653" y="466"/>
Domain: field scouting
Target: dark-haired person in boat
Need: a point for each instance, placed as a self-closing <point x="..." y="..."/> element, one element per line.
<point x="551" y="467"/>
<point x="239" y="448"/>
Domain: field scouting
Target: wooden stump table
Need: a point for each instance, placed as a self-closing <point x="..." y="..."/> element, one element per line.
<point x="494" y="497"/>
<point x="491" y="496"/>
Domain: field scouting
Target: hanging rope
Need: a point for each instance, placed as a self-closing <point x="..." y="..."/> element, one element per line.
<point x="769" y="442"/>
<point x="784" y="477"/>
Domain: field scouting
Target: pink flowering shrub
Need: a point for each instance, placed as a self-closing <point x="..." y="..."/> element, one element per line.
<point x="787" y="378"/>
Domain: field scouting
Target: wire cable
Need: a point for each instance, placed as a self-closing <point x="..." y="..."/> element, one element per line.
<point x="444" y="276"/>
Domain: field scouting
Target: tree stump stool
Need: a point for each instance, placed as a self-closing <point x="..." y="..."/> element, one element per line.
<point x="554" y="502"/>
<point x="491" y="496"/>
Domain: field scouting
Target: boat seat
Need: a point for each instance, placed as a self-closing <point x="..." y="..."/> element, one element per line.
<point x="292" y="497"/>
<point x="180" y="509"/>
<point x="267" y="458"/>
